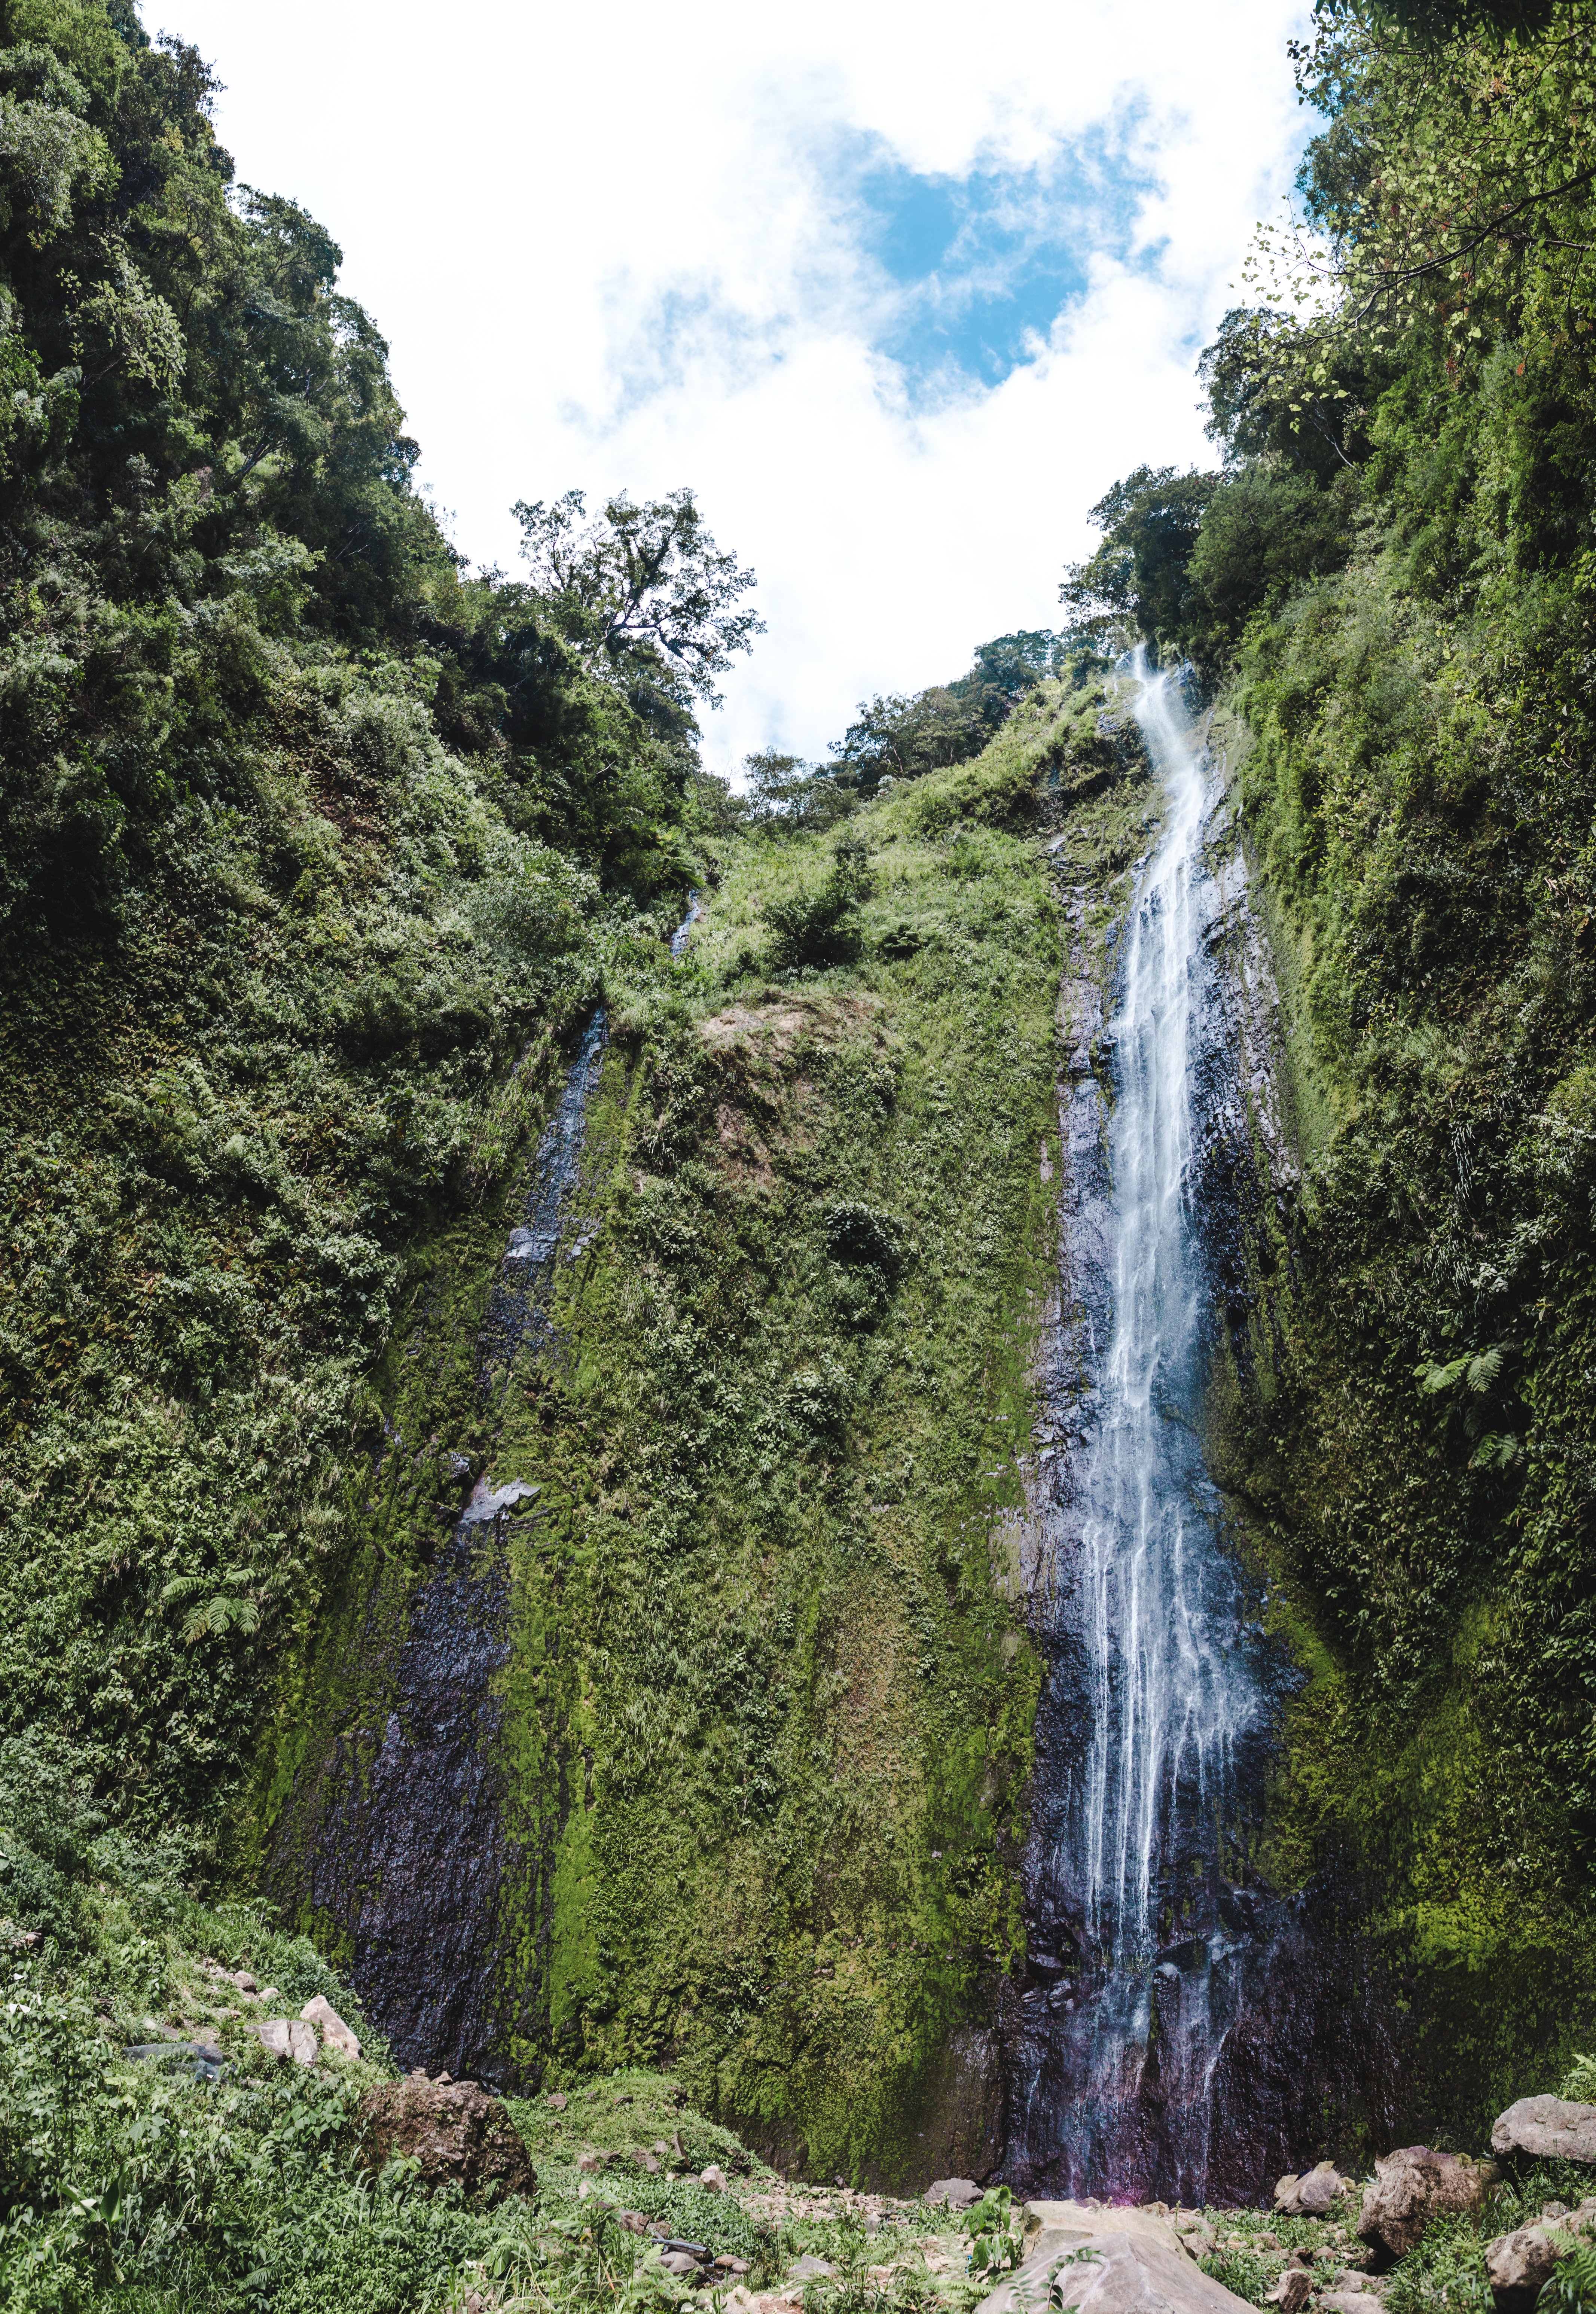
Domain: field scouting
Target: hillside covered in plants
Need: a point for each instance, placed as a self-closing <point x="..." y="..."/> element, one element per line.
<point x="1386" y="584"/>
<point x="339" y="881"/>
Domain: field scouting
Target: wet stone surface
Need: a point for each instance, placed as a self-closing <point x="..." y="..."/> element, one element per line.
<point x="408" y="1855"/>
<point x="1179" y="2029"/>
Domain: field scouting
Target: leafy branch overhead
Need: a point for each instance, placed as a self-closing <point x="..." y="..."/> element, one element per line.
<point x="642" y="592"/>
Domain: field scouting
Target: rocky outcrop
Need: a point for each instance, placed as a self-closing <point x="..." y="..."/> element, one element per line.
<point x="1413" y="2187"/>
<point x="1546" y="2129"/>
<point x="454" y="2130"/>
<point x="1518" y="2263"/>
<point x="1105" y="2262"/>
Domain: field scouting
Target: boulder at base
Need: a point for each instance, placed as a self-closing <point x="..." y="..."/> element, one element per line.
<point x="952" y="2193"/>
<point x="453" y="2129"/>
<point x="1546" y="2129"/>
<point x="1312" y="2196"/>
<point x="1415" y="2187"/>
<point x="1106" y="2262"/>
<point x="1518" y="2263"/>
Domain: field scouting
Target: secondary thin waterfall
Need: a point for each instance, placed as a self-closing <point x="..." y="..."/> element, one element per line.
<point x="1141" y="1942"/>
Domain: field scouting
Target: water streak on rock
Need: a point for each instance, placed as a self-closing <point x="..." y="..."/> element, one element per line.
<point x="411" y="1858"/>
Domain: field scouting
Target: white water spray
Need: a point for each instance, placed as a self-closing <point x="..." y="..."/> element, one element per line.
<point x="1167" y="1702"/>
<point x="1140" y="1941"/>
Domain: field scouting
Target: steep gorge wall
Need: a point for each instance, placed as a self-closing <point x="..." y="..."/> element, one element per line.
<point x="757" y="1735"/>
<point x="1354" y="1500"/>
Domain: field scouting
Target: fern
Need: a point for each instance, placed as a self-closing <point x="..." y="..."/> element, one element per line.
<point x="212" y="1617"/>
<point x="1579" y="2081"/>
<point x="1571" y="2286"/>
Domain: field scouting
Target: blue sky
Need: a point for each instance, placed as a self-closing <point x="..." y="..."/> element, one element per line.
<point x="898" y="291"/>
<point x="983" y="264"/>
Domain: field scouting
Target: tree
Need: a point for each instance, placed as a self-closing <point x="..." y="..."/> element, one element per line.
<point x="786" y="792"/>
<point x="643" y="593"/>
<point x="1136" y="582"/>
<point x="1013" y="664"/>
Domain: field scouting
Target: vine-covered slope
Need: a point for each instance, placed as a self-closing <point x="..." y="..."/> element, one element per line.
<point x="768" y="1705"/>
<point x="1389" y="584"/>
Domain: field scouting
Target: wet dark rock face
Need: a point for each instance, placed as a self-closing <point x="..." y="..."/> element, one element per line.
<point x="1250" y="2025"/>
<point x="408" y="1859"/>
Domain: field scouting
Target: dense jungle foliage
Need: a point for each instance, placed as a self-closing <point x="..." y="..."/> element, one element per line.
<point x="305" y="834"/>
<point x="317" y="850"/>
<point x="1389" y="582"/>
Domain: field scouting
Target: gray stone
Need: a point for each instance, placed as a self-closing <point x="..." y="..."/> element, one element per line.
<point x="952" y="2193"/>
<point x="556" y="2101"/>
<point x="286" y="2037"/>
<point x="678" y="2262"/>
<point x="334" y="2031"/>
<point x="1292" y="2292"/>
<point x="487" y="1502"/>
<point x="1413" y="2187"/>
<point x="810" y="2269"/>
<point x="1517" y="2265"/>
<point x="1546" y="2129"/>
<point x="714" y="2178"/>
<point x="1351" y="2301"/>
<point x="1312" y="2194"/>
<point x="1107" y="2262"/>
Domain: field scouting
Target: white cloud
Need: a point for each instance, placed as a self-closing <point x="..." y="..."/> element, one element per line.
<point x="611" y="247"/>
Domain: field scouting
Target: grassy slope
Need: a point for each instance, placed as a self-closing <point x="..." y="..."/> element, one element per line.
<point x="770" y="1711"/>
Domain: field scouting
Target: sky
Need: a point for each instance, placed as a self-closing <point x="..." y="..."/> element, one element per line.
<point x="898" y="291"/>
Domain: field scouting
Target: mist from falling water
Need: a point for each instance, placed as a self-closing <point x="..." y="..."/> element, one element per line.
<point x="1122" y="2045"/>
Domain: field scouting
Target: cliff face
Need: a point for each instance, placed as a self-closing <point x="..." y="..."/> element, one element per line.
<point x="753" y="1688"/>
<point x="697" y="1685"/>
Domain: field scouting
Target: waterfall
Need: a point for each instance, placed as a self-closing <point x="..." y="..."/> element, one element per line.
<point x="1141" y="1941"/>
<point x="408" y="1853"/>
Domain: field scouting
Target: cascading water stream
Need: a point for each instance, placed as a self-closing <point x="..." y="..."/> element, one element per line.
<point x="1140" y="1944"/>
<point x="409" y="1855"/>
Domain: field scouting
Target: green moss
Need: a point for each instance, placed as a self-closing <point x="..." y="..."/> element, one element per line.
<point x="767" y="1718"/>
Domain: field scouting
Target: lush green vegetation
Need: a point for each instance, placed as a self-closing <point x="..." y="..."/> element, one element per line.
<point x="765" y="1643"/>
<point x="1389" y="580"/>
<point x="129" y="2183"/>
<point x="317" y="851"/>
<point x="305" y="835"/>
